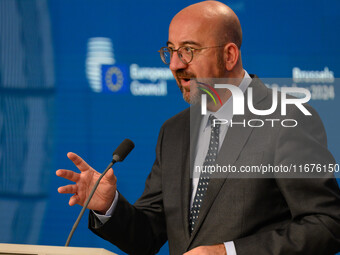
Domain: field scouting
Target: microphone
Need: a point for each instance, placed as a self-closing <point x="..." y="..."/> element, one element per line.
<point x="118" y="155"/>
<point x="123" y="150"/>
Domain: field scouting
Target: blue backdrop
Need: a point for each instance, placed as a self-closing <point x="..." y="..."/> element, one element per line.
<point x="81" y="76"/>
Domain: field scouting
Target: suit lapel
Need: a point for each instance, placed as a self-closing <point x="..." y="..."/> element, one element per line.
<point x="190" y="132"/>
<point x="232" y="146"/>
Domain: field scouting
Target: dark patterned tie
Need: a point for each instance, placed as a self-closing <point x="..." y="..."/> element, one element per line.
<point x="203" y="182"/>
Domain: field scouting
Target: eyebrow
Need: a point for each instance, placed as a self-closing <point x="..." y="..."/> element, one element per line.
<point x="185" y="42"/>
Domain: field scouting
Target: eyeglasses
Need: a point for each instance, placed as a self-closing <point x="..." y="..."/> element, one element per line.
<point x="185" y="53"/>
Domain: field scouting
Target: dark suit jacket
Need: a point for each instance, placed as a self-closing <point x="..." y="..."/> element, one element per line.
<point x="261" y="215"/>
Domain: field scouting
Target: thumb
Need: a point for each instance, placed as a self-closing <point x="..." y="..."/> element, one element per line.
<point x="110" y="177"/>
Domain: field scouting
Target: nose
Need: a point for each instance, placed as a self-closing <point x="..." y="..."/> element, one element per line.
<point x="176" y="63"/>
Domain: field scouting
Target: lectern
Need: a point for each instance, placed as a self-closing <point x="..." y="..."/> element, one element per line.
<point x="21" y="249"/>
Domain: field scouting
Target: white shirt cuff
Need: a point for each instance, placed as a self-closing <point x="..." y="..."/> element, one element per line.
<point x="104" y="218"/>
<point x="230" y="248"/>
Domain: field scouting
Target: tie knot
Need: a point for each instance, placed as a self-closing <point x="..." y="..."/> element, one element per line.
<point x="213" y="122"/>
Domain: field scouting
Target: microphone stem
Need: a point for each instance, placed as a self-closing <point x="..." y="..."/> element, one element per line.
<point x="75" y="225"/>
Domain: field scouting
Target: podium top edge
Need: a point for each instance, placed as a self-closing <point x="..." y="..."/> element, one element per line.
<point x="51" y="250"/>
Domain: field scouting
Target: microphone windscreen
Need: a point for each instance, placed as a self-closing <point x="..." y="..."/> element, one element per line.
<point x="124" y="149"/>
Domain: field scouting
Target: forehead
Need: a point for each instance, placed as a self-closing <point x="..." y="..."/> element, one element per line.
<point x="191" y="28"/>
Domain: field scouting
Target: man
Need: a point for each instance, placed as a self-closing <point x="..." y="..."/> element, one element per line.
<point x="218" y="215"/>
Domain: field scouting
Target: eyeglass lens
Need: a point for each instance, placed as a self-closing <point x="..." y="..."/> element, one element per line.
<point x="184" y="53"/>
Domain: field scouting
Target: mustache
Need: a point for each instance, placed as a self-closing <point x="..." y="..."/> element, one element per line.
<point x="184" y="74"/>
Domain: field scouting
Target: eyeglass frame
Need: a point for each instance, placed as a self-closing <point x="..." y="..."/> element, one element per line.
<point x="179" y="55"/>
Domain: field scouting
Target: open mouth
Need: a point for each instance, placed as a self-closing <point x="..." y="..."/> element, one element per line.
<point x="185" y="81"/>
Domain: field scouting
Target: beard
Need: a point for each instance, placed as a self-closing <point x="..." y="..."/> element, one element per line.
<point x="193" y="96"/>
<point x="190" y="95"/>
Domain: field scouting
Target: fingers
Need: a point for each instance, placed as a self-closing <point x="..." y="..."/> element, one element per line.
<point x="68" y="189"/>
<point x="78" y="161"/>
<point x="67" y="174"/>
<point x="74" y="200"/>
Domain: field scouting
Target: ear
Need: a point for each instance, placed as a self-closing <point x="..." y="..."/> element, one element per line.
<point x="231" y="56"/>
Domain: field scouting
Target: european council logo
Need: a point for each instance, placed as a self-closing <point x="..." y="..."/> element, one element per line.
<point x="114" y="78"/>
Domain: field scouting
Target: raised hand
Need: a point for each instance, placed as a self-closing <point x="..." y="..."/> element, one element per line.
<point x="84" y="182"/>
